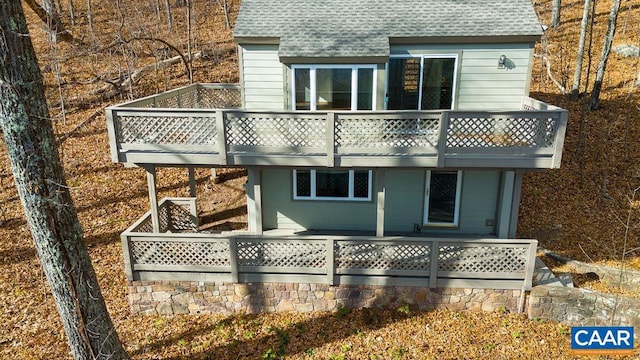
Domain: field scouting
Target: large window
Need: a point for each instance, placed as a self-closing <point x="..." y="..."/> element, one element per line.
<point x="442" y="198"/>
<point x="421" y="83"/>
<point x="333" y="87"/>
<point x="353" y="185"/>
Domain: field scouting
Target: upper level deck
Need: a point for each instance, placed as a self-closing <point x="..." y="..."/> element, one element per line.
<point x="204" y="125"/>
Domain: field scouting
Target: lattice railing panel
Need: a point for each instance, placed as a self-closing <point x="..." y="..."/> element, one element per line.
<point x="180" y="253"/>
<point x="146" y="226"/>
<point x="195" y="97"/>
<point x="482" y="259"/>
<point x="367" y="132"/>
<point x="223" y="98"/>
<point x="276" y="131"/>
<point x="383" y="257"/>
<point x="185" y="130"/>
<point x="283" y="254"/>
<point x="501" y="132"/>
<point x="181" y="219"/>
<point x="164" y="217"/>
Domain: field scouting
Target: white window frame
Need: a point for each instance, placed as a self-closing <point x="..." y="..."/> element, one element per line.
<point x="313" y="195"/>
<point x="456" y="211"/>
<point x="313" y="106"/>
<point x="422" y="57"/>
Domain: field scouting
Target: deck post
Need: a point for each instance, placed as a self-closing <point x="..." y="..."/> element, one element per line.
<point x="233" y="259"/>
<point x="558" y="143"/>
<point x="380" y="195"/>
<point x="331" y="266"/>
<point x="254" y="200"/>
<point x="153" y="196"/>
<point x="531" y="264"/>
<point x="128" y="261"/>
<point x="442" y="139"/>
<point x="331" y="135"/>
<point x="433" y="264"/>
<point x="506" y="204"/>
<point x="221" y="139"/>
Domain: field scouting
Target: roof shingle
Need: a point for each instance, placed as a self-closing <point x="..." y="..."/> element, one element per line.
<point x="348" y="28"/>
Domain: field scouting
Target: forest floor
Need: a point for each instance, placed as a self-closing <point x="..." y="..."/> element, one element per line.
<point x="586" y="210"/>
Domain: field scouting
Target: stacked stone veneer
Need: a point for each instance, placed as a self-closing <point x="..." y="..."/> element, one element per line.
<point x="172" y="297"/>
<point x="575" y="306"/>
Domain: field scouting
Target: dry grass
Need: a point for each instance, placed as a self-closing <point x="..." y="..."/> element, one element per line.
<point x="562" y="208"/>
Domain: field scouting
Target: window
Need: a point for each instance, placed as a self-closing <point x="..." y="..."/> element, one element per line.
<point x="333" y="87"/>
<point x="442" y="198"/>
<point x="351" y="185"/>
<point x="421" y="83"/>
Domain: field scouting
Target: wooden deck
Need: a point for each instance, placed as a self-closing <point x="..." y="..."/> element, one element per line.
<point x="179" y="252"/>
<point x="196" y="126"/>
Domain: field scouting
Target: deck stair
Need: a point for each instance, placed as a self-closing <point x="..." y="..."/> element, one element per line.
<point x="544" y="276"/>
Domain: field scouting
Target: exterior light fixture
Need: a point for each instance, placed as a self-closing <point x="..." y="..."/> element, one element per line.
<point x="502" y="61"/>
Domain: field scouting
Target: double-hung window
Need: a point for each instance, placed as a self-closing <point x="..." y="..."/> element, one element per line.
<point x="442" y="198"/>
<point x="350" y="185"/>
<point x="421" y="82"/>
<point x="333" y="87"/>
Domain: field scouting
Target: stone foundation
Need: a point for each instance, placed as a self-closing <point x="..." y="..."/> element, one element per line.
<point x="173" y="297"/>
<point x="583" y="307"/>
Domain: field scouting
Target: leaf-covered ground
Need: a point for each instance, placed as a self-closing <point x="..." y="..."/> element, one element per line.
<point x="579" y="210"/>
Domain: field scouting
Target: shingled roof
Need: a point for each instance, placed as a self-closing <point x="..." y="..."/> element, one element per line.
<point x="364" y="28"/>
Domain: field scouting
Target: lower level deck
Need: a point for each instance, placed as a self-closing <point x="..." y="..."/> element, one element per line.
<point x="178" y="251"/>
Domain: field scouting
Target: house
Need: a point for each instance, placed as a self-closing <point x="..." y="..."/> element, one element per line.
<point x="385" y="144"/>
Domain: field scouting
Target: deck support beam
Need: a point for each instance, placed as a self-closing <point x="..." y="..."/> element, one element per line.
<point x="505" y="205"/>
<point x="254" y="200"/>
<point x="380" y="195"/>
<point x="153" y="196"/>
<point x="192" y="182"/>
<point x="509" y="204"/>
<point x="515" y="203"/>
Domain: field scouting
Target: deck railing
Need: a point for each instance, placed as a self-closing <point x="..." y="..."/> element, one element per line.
<point x="400" y="261"/>
<point x="189" y="126"/>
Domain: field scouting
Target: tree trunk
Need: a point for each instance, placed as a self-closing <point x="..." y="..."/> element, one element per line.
<point x="225" y="12"/>
<point x="555" y="13"/>
<point x="167" y="6"/>
<point x="48" y="207"/>
<point x="575" y="89"/>
<point x="90" y="17"/>
<point x="604" y="56"/>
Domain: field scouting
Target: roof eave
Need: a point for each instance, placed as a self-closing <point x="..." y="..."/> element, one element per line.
<point x="483" y="39"/>
<point x="257" y="40"/>
<point x="334" y="59"/>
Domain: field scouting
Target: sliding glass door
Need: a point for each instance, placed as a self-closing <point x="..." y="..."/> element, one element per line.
<point x="421" y="83"/>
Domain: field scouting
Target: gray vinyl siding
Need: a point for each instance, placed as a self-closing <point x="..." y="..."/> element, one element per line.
<point x="280" y="211"/>
<point x="262" y="78"/>
<point x="404" y="201"/>
<point x="479" y="201"/>
<point x="404" y="204"/>
<point x="481" y="84"/>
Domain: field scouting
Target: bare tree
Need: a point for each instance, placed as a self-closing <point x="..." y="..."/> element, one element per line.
<point x="72" y="12"/>
<point x="604" y="55"/>
<point x="90" y="17"/>
<point x="225" y="12"/>
<point x="48" y="15"/>
<point x="555" y="13"/>
<point x="189" y="43"/>
<point x="48" y="207"/>
<point x="575" y="89"/>
<point x="167" y="6"/>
